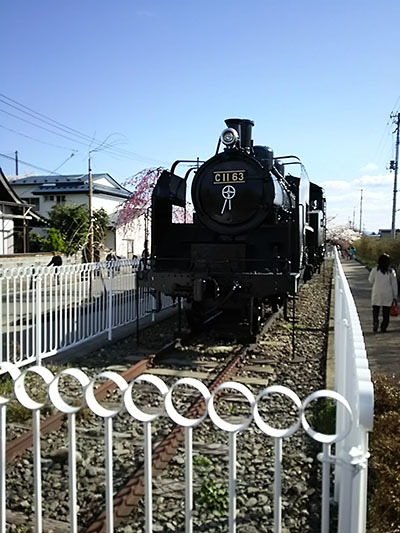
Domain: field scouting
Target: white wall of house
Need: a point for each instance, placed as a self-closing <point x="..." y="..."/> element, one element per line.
<point x="104" y="182"/>
<point x="6" y="235"/>
<point x="108" y="203"/>
<point x="129" y="240"/>
<point x="25" y="193"/>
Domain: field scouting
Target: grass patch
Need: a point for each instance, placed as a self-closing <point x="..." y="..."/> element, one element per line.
<point x="213" y="497"/>
<point x="384" y="464"/>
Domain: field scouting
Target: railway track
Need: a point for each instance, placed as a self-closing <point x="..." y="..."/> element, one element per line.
<point x="127" y="499"/>
<point x="263" y="362"/>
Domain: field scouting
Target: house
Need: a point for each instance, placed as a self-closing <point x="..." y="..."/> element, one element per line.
<point x="44" y="192"/>
<point x="16" y="218"/>
<point x="387" y="233"/>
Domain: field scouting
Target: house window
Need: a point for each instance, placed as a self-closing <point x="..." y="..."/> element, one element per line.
<point x="60" y="199"/>
<point x="49" y="198"/>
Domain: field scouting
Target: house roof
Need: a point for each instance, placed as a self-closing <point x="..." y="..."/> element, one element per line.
<point x="73" y="184"/>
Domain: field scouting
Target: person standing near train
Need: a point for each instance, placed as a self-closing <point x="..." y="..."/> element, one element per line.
<point x="384" y="291"/>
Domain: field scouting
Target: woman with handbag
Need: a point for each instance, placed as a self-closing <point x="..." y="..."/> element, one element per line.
<point x="384" y="291"/>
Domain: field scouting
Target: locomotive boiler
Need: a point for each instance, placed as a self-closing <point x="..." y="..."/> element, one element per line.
<point x="257" y="230"/>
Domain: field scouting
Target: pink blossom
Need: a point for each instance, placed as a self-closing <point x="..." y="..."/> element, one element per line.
<point x="139" y="203"/>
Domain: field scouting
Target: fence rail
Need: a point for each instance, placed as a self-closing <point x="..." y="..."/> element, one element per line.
<point x="48" y="309"/>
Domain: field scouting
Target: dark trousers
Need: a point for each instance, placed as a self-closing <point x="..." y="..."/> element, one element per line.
<point x="375" y="317"/>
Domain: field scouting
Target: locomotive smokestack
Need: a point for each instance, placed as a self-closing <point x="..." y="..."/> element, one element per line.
<point x="247" y="126"/>
<point x="243" y="127"/>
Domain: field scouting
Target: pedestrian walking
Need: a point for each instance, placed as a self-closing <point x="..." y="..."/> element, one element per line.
<point x="384" y="291"/>
<point x="56" y="260"/>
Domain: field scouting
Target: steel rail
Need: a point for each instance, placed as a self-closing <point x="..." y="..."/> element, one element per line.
<point x="22" y="443"/>
<point x="127" y="499"/>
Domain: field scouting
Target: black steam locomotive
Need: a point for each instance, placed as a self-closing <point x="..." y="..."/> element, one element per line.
<point x="257" y="231"/>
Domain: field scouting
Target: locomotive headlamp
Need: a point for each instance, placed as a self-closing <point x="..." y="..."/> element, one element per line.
<point x="229" y="136"/>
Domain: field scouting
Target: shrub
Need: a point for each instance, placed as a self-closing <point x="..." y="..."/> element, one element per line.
<point x="52" y="243"/>
<point x="370" y="248"/>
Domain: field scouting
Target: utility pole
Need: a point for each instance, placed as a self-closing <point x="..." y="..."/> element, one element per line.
<point x="361" y="201"/>
<point x="394" y="165"/>
<point x="90" y="211"/>
<point x="16" y="162"/>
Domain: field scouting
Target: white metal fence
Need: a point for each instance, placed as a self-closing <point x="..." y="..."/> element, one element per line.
<point x="47" y="309"/>
<point x="354" y="415"/>
<point x="273" y="435"/>
<point x="353" y="381"/>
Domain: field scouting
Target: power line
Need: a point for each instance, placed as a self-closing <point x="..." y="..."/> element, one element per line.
<point x="37" y="140"/>
<point x="70" y="131"/>
<point x="111" y="152"/>
<point x="63" y="163"/>
<point x="30" y="164"/>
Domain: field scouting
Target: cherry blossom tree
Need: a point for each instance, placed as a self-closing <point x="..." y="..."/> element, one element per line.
<point x="341" y="234"/>
<point x="137" y="207"/>
<point x="142" y="185"/>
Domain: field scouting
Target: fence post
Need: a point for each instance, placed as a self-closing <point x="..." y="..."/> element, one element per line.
<point x="38" y="313"/>
<point x="110" y="302"/>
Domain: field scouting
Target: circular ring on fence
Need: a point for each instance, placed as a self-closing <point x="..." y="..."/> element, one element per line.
<point x="266" y="428"/>
<point x="8" y="273"/>
<point x="137" y="413"/>
<point x="218" y="421"/>
<point x="91" y="400"/>
<point x="322" y="437"/>
<point x="20" y="391"/>
<point x="173" y="413"/>
<point x="14" y="373"/>
<point x="13" y="273"/>
<point x="54" y="393"/>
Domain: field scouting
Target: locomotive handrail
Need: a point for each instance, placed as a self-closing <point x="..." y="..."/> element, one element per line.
<point x="188" y="172"/>
<point x="177" y="162"/>
<point x="288" y="157"/>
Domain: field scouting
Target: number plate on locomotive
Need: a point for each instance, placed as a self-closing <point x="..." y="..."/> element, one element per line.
<point x="221" y="177"/>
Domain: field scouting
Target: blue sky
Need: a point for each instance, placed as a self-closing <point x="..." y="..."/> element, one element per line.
<point x="319" y="78"/>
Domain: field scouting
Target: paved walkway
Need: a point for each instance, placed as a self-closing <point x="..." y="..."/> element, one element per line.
<point x="383" y="349"/>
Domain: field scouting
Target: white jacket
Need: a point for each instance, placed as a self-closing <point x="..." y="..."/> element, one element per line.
<point x="384" y="287"/>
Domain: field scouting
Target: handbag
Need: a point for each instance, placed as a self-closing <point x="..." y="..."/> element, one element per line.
<point x="394" y="310"/>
